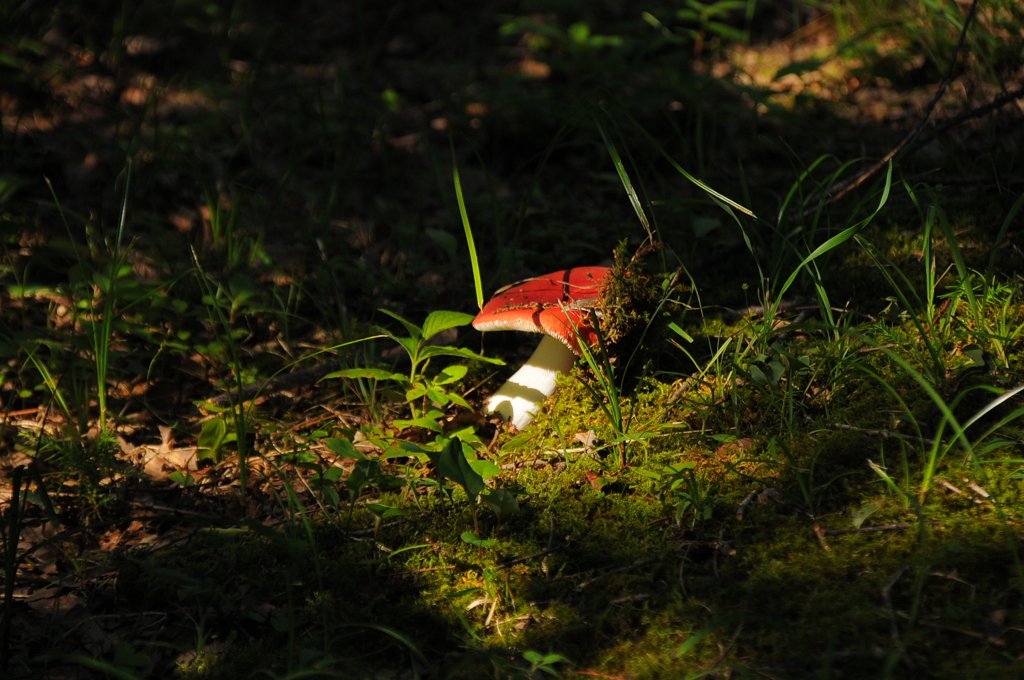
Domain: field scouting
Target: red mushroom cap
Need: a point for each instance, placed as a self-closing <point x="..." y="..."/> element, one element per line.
<point x="555" y="304"/>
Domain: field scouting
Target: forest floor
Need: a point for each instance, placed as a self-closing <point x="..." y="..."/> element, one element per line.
<point x="807" y="462"/>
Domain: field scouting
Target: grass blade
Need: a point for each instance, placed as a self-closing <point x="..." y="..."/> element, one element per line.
<point x="470" y="243"/>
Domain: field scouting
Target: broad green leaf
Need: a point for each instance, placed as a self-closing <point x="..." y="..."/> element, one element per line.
<point x="331" y="474"/>
<point x="451" y="374"/>
<point x="178" y="477"/>
<point x="437" y="396"/>
<point x="443" y="320"/>
<point x="384" y="511"/>
<point x="485" y="468"/>
<point x="414" y="331"/>
<point x="343" y="448"/>
<point x="459" y="401"/>
<point x="356" y="480"/>
<point x="502" y="502"/>
<point x="451" y="462"/>
<point x="212" y="437"/>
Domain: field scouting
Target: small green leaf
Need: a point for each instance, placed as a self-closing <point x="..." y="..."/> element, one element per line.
<point x="451" y="374"/>
<point x="680" y="332"/>
<point x="178" y="477"/>
<point x="414" y="331"/>
<point x="443" y="320"/>
<point x="343" y="448"/>
<point x="471" y="538"/>
<point x="212" y="437"/>
<point x="382" y="511"/>
<point x="485" y="468"/>
<point x="865" y="511"/>
<point x="459" y="401"/>
<point x="975" y="353"/>
<point x="799" y="67"/>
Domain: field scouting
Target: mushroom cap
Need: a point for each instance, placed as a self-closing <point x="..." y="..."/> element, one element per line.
<point x="555" y="304"/>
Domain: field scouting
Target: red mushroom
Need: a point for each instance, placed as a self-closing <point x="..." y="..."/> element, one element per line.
<point x="557" y="305"/>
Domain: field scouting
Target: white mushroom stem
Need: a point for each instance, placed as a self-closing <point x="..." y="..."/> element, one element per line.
<point x="519" y="399"/>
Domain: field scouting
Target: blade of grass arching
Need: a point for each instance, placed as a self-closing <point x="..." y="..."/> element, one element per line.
<point x="995" y="403"/>
<point x="797" y="186"/>
<point x="1010" y="216"/>
<point x="620" y="169"/>
<point x="99" y="348"/>
<point x="948" y="417"/>
<point x="470" y="243"/>
<point x="913" y="311"/>
<point x="414" y="651"/>
<point x="51" y="384"/>
<point x="831" y="180"/>
<point x="704" y="187"/>
<point x="839" y="238"/>
<point x="103" y="333"/>
<point x="929" y="264"/>
<point x="966" y="275"/>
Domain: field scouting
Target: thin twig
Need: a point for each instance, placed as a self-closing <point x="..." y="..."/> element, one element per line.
<point x="526" y="558"/>
<point x="885" y="434"/>
<point x="742" y="510"/>
<point x="635" y="565"/>
<point x="963" y="631"/>
<point x="425" y="569"/>
<point x="841" y="189"/>
<point x="725" y="650"/>
<point x="866" y="530"/>
<point x="978" y="112"/>
<point x="595" y="674"/>
<point x="879" y="527"/>
<point x="285" y="381"/>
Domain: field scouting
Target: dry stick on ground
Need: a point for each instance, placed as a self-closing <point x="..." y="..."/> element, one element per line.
<point x="285" y="381"/>
<point x="527" y="558"/>
<point x="635" y="565"/>
<point x="866" y="530"/>
<point x="725" y="650"/>
<point x="884" y="434"/>
<point x="981" y="636"/>
<point x="838" y="191"/>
